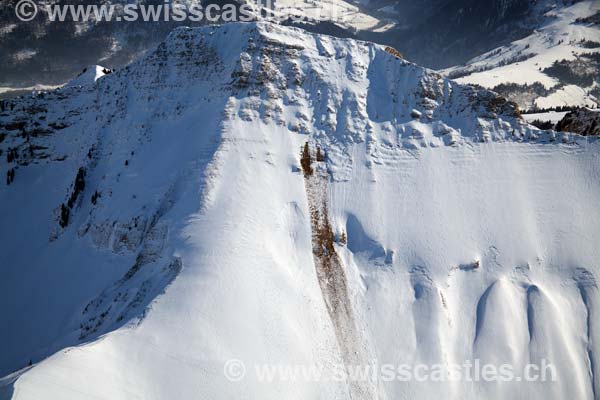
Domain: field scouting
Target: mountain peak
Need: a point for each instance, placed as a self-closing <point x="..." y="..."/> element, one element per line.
<point x="288" y="64"/>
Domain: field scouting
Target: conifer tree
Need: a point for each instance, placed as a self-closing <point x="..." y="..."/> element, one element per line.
<point x="305" y="161"/>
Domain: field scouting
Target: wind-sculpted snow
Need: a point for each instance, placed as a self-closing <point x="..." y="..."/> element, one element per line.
<point x="157" y="223"/>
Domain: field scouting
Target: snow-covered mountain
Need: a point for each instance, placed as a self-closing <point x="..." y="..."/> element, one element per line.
<point x="558" y="64"/>
<point x="160" y="221"/>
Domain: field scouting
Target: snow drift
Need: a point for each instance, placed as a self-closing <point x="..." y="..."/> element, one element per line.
<point x="158" y="223"/>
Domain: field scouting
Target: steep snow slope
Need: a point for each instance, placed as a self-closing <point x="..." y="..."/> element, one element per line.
<point x="158" y="224"/>
<point x="566" y="32"/>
